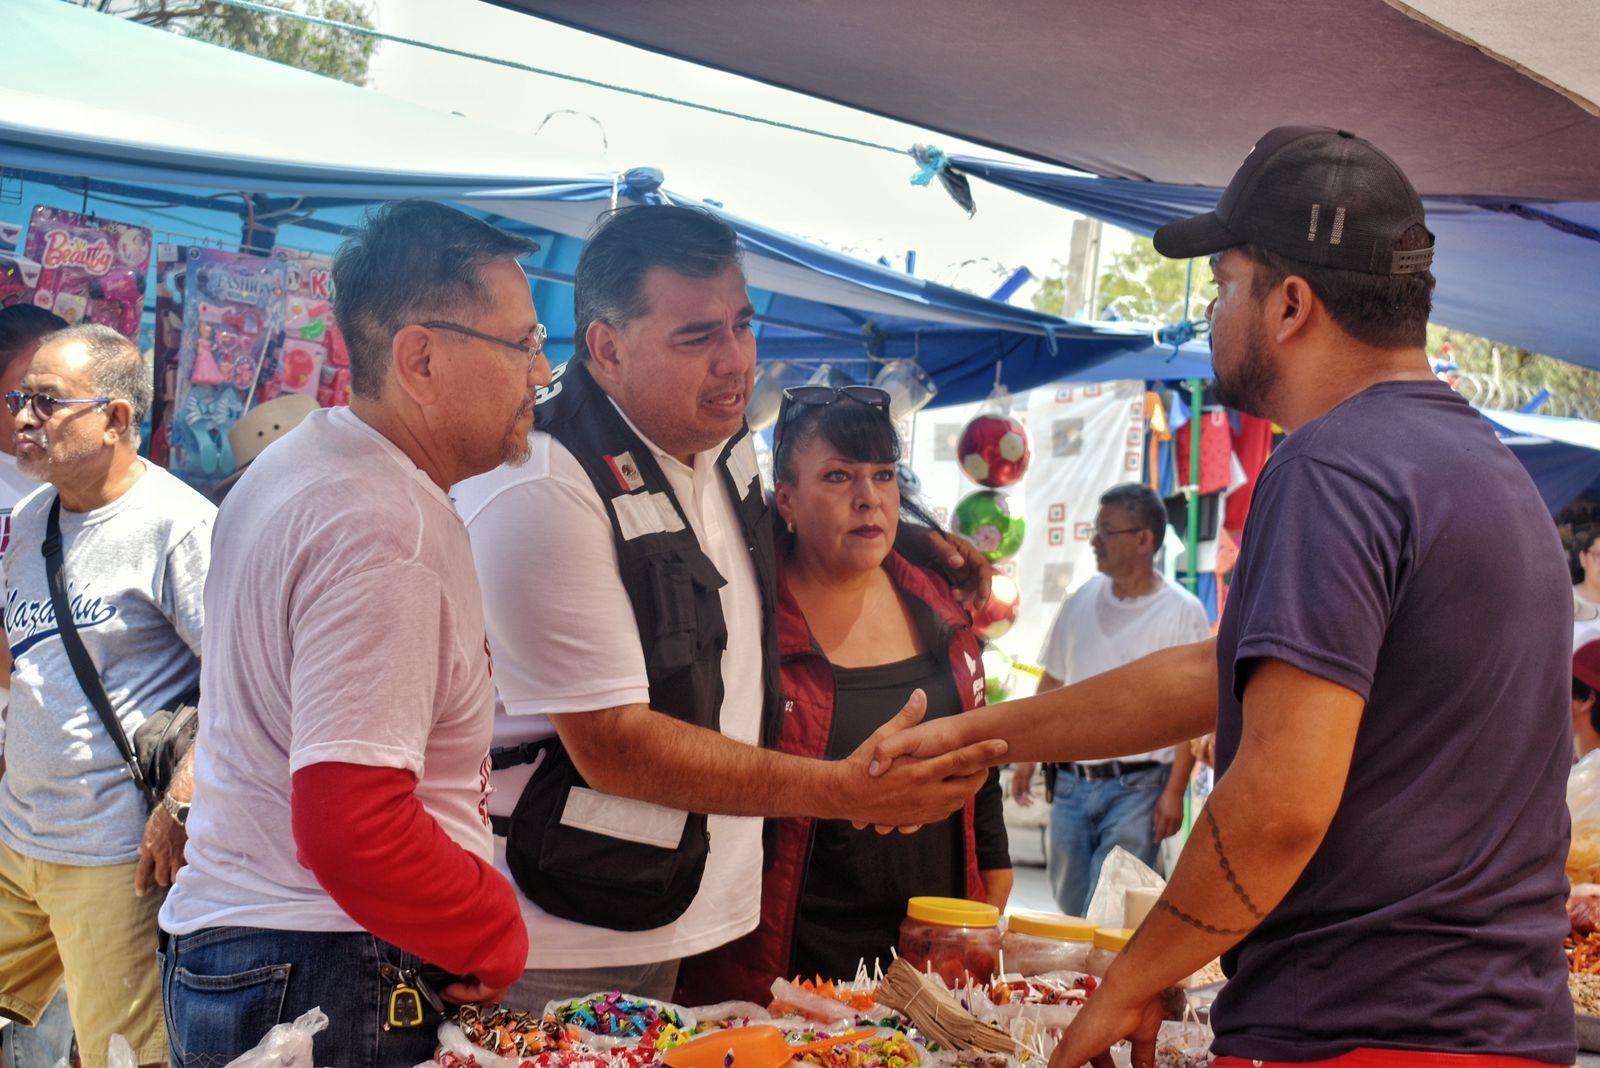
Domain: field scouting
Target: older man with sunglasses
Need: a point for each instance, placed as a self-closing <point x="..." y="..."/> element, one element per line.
<point x="338" y="855"/>
<point x="135" y="547"/>
<point x="628" y="571"/>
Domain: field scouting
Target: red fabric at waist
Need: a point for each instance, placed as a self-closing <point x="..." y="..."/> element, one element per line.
<point x="1391" y="1058"/>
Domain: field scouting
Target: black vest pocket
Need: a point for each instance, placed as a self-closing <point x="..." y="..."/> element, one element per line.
<point x="579" y="869"/>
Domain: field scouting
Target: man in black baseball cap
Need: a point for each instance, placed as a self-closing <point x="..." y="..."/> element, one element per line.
<point x="1381" y="863"/>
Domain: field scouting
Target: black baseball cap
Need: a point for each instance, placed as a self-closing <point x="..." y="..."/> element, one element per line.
<point x="1313" y="194"/>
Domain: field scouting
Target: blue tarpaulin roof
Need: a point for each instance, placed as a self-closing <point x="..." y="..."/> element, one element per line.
<point x="1525" y="273"/>
<point x="1562" y="455"/>
<point x="175" y="133"/>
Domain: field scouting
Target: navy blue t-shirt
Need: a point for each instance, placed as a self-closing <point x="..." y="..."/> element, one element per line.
<point x="1396" y="548"/>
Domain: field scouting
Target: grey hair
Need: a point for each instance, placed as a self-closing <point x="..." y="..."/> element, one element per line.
<point x="409" y="261"/>
<point x="1143" y="504"/>
<point x="117" y="369"/>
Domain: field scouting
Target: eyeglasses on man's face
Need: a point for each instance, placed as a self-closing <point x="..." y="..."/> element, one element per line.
<point x="533" y="348"/>
<point x="1102" y="533"/>
<point x="44" y="405"/>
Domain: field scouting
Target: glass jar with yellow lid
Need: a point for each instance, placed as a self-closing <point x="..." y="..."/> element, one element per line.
<point x="1038" y="942"/>
<point x="1108" y="943"/>
<point x="954" y="938"/>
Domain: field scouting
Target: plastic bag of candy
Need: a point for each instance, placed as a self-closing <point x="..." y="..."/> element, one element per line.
<point x="607" y="1020"/>
<point x="790" y="997"/>
<point x="286" y="1045"/>
<point x="1185" y="1044"/>
<point x="728" y="1014"/>
<point x="119" y="1055"/>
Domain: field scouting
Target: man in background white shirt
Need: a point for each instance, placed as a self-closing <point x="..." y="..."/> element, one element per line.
<point x="1127" y="611"/>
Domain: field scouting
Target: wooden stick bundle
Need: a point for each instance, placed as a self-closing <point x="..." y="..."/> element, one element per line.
<point x="924" y="999"/>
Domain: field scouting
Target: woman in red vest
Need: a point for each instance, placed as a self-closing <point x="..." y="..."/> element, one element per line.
<point x="859" y="628"/>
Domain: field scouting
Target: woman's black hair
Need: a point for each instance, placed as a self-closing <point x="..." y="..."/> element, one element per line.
<point x="1583" y="540"/>
<point x="857" y="432"/>
<point x="1582" y="691"/>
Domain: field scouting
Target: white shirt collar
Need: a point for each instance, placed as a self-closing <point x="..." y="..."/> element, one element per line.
<point x="347" y="418"/>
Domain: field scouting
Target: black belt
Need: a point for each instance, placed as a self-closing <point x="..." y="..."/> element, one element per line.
<point x="1111" y="769"/>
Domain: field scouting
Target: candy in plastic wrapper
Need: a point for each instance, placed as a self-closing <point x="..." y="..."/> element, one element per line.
<point x="1184" y="1045"/>
<point x="609" y="1019"/>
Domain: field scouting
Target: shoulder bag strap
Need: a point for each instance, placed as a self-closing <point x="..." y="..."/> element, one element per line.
<point x="82" y="663"/>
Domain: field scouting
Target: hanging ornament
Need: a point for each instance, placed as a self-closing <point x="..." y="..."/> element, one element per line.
<point x="1000" y="611"/>
<point x="984" y="518"/>
<point x="994" y="450"/>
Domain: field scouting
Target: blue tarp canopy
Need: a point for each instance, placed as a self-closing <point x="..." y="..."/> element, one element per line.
<point x="1562" y="455"/>
<point x="1522" y="272"/>
<point x="193" y="139"/>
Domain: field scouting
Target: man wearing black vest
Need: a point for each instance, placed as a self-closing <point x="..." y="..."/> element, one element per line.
<point x="628" y="577"/>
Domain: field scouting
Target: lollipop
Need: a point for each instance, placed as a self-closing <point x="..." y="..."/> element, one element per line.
<point x="986" y="519"/>
<point x="994" y="450"/>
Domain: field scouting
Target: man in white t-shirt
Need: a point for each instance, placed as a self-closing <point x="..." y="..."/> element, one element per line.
<point x="22" y="327"/>
<point x="339" y="846"/>
<point x="627" y="576"/>
<point x="134" y="545"/>
<point x="1127" y="611"/>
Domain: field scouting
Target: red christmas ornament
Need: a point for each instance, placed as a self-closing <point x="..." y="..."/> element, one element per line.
<point x="994" y="450"/>
<point x="996" y="616"/>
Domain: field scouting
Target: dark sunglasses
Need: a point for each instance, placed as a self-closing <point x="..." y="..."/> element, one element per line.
<point x="44" y="405"/>
<point x="797" y="398"/>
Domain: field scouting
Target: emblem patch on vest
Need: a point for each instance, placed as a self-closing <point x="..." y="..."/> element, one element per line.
<point x="627" y="472"/>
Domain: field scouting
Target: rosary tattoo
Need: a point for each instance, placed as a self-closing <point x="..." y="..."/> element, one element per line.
<point x="1227" y="868"/>
<point x="1163" y="905"/>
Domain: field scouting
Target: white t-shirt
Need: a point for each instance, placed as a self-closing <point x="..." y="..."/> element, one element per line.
<point x="1585" y="620"/>
<point x="14" y="486"/>
<point x="565" y="641"/>
<point x="1097" y="631"/>
<point x="343" y="624"/>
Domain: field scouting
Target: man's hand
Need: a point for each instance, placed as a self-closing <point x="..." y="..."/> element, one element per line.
<point x="1022" y="784"/>
<point x="1103" y="1022"/>
<point x="472" y="992"/>
<point x="913" y="792"/>
<point x="1168" y="814"/>
<point x="968" y="571"/>
<point x="160" y="851"/>
<point x="1204" y="749"/>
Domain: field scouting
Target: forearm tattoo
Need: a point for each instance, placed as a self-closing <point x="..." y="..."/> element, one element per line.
<point x="1163" y="905"/>
<point x="1227" y="867"/>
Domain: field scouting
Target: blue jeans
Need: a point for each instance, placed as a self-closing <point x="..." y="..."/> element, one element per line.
<point x="223" y="988"/>
<point x="44" y="1044"/>
<point x="1090" y="818"/>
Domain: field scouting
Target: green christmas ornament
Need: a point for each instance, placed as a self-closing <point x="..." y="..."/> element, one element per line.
<point x="985" y="519"/>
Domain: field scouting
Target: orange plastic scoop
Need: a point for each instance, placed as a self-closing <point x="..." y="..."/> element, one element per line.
<point x="760" y="1046"/>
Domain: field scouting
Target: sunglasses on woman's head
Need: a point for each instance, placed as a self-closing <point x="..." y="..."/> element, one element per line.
<point x="799" y="397"/>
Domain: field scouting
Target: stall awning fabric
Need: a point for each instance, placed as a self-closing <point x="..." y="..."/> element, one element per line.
<point x="1562" y="455"/>
<point x="181" y="119"/>
<point x="1524" y="273"/>
<point x="1472" y="98"/>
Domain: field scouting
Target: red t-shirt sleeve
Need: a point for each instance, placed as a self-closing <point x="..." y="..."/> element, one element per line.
<point x="379" y="854"/>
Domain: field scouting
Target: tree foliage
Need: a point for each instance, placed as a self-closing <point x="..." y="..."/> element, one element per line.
<point x="321" y="50"/>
